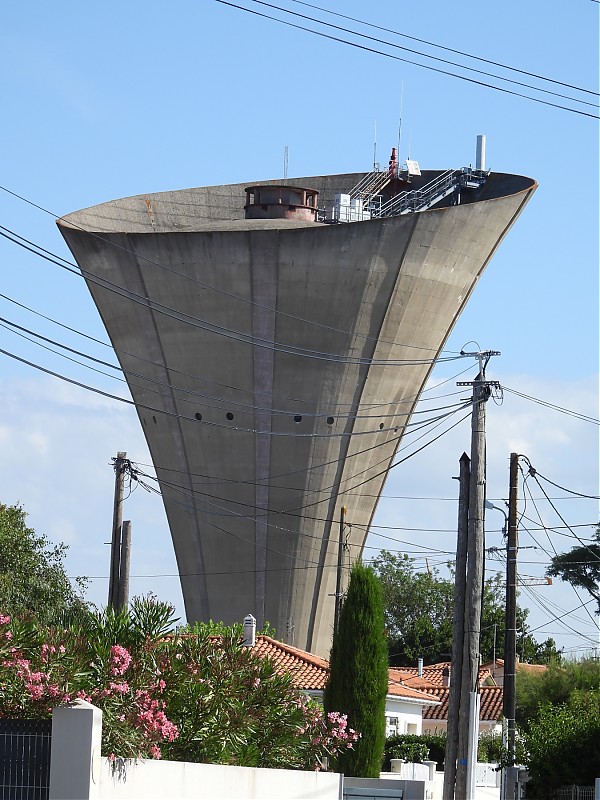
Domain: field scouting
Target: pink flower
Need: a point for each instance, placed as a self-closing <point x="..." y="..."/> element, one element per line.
<point x="120" y="688"/>
<point x="4" y="620"/>
<point x="120" y="659"/>
<point x="35" y="690"/>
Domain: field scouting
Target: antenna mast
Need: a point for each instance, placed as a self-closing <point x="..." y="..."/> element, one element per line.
<point x="375" y="146"/>
<point x="400" y="123"/>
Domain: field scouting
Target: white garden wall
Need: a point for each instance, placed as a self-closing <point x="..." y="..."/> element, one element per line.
<point x="163" y="780"/>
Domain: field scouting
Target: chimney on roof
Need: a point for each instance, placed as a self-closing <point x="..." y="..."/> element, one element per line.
<point x="420" y="667"/>
<point x="446" y="677"/>
<point x="249" y="631"/>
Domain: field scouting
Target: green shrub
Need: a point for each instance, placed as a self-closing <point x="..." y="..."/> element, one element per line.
<point x="415" y="748"/>
<point x="489" y="748"/>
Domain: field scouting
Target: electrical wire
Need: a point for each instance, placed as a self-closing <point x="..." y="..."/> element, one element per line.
<point x="384" y="471"/>
<point x="575" y="414"/>
<point x="254" y="391"/>
<point x="532" y="473"/>
<point x="213" y="328"/>
<point x="261" y="510"/>
<point x="296" y="533"/>
<point x="407" y="61"/>
<point x="50" y="256"/>
<point x="427" y="55"/>
<point x="450" y="49"/>
<point x="19" y="331"/>
<point x="562" y="488"/>
<point x="175" y="415"/>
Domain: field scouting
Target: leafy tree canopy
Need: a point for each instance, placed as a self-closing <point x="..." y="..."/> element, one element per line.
<point x="33" y="581"/>
<point x="418" y="614"/>
<point x="580" y="567"/>
<point x="558" y="685"/>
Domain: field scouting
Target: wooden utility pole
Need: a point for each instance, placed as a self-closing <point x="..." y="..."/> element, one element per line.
<point x="458" y="629"/>
<point x="510" y="630"/>
<point x="469" y="691"/>
<point x="338" y="582"/>
<point x="115" y="547"/>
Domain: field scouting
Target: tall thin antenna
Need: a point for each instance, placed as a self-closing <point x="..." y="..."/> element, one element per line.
<point x="374" y="145"/>
<point x="400" y="122"/>
<point x="285" y="161"/>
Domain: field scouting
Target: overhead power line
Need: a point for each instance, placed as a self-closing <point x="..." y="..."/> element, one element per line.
<point x="194" y="419"/>
<point x="450" y="49"/>
<point x="184" y="276"/>
<point x="427" y="55"/>
<point x="197" y="322"/>
<point x="253" y="391"/>
<point x="408" y="61"/>
<point x="213" y="328"/>
<point x="545" y="403"/>
<point x="201" y="398"/>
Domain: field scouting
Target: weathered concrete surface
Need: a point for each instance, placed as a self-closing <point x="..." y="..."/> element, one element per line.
<point x="268" y="321"/>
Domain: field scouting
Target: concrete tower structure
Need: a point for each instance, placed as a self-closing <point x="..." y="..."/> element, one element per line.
<point x="275" y="362"/>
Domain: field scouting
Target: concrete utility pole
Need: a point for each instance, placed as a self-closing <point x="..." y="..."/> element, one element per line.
<point x="469" y="692"/>
<point x="458" y="629"/>
<point x="115" y="547"/>
<point x="338" y="582"/>
<point x="510" y="631"/>
<point x="124" y="562"/>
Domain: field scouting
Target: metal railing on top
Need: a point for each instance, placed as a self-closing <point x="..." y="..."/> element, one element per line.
<point x="369" y="186"/>
<point x="423" y="198"/>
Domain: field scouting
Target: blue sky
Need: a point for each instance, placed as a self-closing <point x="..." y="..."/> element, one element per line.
<point x="110" y="100"/>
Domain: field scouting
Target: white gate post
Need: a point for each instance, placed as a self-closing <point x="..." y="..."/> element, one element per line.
<point x="75" y="754"/>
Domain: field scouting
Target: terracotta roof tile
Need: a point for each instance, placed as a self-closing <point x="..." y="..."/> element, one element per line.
<point x="491" y="698"/>
<point x="521" y="666"/>
<point x="433" y="674"/>
<point x="310" y="672"/>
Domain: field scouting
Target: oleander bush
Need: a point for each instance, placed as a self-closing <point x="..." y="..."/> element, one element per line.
<point x="186" y="696"/>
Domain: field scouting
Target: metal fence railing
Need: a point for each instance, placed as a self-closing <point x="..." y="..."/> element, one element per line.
<point x="574" y="793"/>
<point x="25" y="759"/>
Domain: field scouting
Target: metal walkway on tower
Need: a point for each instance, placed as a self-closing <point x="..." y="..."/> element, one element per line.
<point x="449" y="182"/>
<point x="365" y="201"/>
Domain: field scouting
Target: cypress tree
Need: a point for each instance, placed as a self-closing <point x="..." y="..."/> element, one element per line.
<point x="358" y="673"/>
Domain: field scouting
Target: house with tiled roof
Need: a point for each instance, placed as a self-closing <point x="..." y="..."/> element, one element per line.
<point x="417" y="699"/>
<point x="434" y="679"/>
<point x="439" y="675"/>
<point x="405" y="704"/>
<point x="435" y="718"/>
<point x="496" y="669"/>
